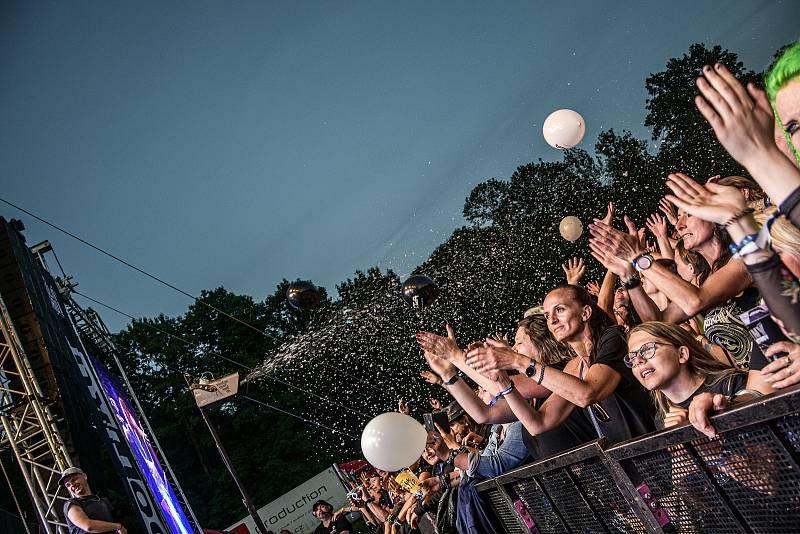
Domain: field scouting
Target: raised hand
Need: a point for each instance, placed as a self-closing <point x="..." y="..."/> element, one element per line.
<point x="402" y="407"/>
<point x="447" y="437"/>
<point x="668" y="209"/>
<point x="657" y="225"/>
<point x="444" y="347"/>
<point x="593" y="288"/>
<point x="574" y="269"/>
<point x="742" y="118"/>
<point x="711" y="202"/>
<point x="436" y="404"/>
<point x="440" y="366"/>
<point x="609" y="218"/>
<point x="431" y="377"/>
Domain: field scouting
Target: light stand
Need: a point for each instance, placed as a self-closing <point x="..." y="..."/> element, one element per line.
<point x="219" y="390"/>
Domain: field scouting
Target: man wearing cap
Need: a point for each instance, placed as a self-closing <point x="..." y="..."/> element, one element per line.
<point x="86" y="512"/>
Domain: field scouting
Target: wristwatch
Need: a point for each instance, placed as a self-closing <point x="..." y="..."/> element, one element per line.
<point x="642" y="262"/>
<point x="531" y="369"/>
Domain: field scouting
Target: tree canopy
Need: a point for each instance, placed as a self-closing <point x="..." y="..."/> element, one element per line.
<point x="354" y="357"/>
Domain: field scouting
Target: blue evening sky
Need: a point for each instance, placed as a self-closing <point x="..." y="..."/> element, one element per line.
<point x="238" y="143"/>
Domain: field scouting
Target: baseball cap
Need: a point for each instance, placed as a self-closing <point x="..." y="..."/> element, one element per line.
<point x="68" y="473"/>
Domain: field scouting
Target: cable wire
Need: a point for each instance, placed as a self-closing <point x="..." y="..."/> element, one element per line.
<point x="161" y="281"/>
<point x="215" y="353"/>
<point x="135" y="268"/>
<point x="297" y="416"/>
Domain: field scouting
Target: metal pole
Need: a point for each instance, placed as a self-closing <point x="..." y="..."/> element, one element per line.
<point x="227" y="461"/>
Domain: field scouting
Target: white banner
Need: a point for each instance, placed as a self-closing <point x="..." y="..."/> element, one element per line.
<point x="293" y="510"/>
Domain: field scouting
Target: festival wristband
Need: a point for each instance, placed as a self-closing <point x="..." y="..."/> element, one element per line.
<point x="453" y="379"/>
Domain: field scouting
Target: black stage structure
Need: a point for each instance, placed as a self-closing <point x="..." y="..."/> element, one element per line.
<point x="53" y="410"/>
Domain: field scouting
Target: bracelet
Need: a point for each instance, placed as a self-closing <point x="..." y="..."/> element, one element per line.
<point x="541" y="374"/>
<point x="503" y="393"/>
<point x="746" y="391"/>
<point x="746" y="246"/>
<point x="735" y="217"/>
<point x="453" y="379"/>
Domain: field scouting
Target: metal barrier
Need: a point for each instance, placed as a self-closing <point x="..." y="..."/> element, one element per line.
<point x="746" y="480"/>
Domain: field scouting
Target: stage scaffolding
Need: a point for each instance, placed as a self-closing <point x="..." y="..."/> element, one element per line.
<point x="29" y="429"/>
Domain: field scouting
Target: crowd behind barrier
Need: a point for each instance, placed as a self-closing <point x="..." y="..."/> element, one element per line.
<point x="588" y="420"/>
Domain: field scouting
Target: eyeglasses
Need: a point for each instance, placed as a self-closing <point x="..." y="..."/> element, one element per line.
<point x="645" y="352"/>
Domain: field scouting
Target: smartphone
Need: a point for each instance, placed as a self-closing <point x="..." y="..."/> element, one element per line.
<point x="431" y="419"/>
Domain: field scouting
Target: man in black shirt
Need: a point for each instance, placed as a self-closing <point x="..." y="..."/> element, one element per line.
<point x="86" y="512"/>
<point x="330" y="523"/>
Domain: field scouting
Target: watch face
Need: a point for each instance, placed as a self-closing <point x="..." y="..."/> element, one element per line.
<point x="530" y="370"/>
<point x="644" y="262"/>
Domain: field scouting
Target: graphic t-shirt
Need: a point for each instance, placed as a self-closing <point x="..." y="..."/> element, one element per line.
<point x="723" y="326"/>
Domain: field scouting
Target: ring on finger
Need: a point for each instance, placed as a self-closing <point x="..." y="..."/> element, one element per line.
<point x="788" y="372"/>
<point x="788" y="361"/>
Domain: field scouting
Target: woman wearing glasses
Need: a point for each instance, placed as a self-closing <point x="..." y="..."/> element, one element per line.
<point x="669" y="362"/>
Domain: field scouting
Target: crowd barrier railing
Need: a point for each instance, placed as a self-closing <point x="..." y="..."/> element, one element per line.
<point x="746" y="480"/>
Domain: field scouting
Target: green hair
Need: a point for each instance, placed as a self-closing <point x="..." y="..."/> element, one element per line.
<point x="784" y="70"/>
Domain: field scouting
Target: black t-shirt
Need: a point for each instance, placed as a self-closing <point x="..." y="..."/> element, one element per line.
<point x="94" y="506"/>
<point x="728" y="385"/>
<point x="629" y="409"/>
<point x="340" y="525"/>
<point x="626" y="413"/>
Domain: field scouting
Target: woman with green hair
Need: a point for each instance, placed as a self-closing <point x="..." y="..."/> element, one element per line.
<point x="783" y="89"/>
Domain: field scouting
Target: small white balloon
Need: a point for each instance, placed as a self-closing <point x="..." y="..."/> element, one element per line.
<point x="564" y="128"/>
<point x="570" y="228"/>
<point x="393" y="441"/>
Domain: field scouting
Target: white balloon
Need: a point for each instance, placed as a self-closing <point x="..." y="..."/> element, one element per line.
<point x="393" y="441"/>
<point x="564" y="128"/>
<point x="570" y="228"/>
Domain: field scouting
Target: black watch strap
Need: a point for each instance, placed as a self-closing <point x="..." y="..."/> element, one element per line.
<point x="531" y="369"/>
<point x="634" y="281"/>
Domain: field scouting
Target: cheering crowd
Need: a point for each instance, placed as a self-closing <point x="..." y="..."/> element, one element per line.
<point x="702" y="316"/>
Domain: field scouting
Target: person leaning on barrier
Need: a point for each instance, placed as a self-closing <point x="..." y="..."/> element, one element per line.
<point x="533" y="342"/>
<point x="84" y="511"/>
<point x="670" y="363"/>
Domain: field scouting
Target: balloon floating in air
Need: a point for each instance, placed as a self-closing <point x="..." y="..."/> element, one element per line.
<point x="570" y="228"/>
<point x="420" y="291"/>
<point x="563" y="128"/>
<point x="393" y="441"/>
<point x="302" y="295"/>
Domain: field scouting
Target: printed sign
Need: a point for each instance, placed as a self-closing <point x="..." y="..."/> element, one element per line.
<point x="408" y="481"/>
<point x="293" y="510"/>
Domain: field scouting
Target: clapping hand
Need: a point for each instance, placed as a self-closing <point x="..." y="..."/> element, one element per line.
<point x="742" y="118"/>
<point x="711" y="202"/>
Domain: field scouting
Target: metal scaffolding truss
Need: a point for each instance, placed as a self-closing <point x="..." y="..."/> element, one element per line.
<point x="29" y="429"/>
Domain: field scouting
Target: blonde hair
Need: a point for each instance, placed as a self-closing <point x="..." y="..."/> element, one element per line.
<point x="785" y="236"/>
<point x="700" y="363"/>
